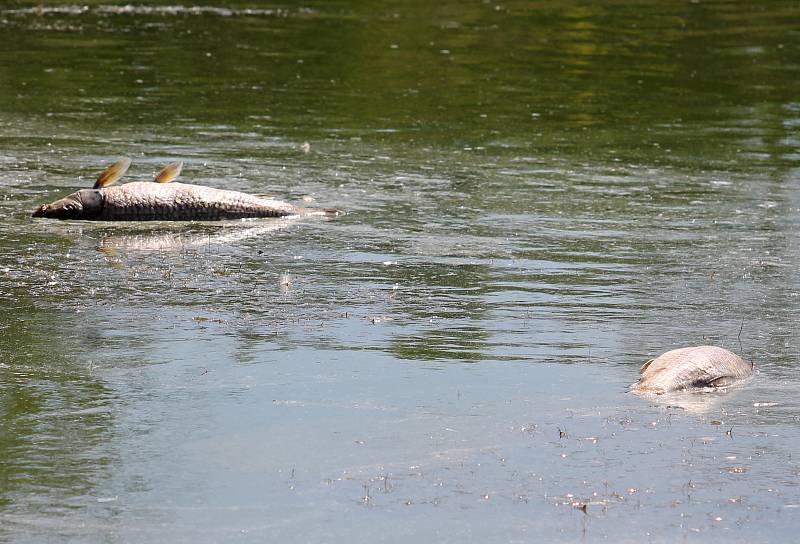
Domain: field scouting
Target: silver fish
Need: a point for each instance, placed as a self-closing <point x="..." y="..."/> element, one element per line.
<point x="165" y="201"/>
<point x="693" y="367"/>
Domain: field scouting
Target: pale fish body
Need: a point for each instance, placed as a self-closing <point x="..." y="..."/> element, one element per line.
<point x="147" y="201"/>
<point x="693" y="367"/>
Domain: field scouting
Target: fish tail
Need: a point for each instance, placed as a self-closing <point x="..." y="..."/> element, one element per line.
<point x="327" y="212"/>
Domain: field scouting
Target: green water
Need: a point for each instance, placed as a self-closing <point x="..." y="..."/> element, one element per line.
<point x="539" y="198"/>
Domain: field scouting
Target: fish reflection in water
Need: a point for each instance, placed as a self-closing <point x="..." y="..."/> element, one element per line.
<point x="175" y="240"/>
<point x="697" y="401"/>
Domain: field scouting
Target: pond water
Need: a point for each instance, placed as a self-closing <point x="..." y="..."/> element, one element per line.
<point x="539" y="198"/>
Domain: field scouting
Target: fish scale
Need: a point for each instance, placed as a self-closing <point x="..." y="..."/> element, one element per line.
<point x="145" y="201"/>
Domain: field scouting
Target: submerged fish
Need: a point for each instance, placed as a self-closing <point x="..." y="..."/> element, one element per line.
<point x="165" y="201"/>
<point x="688" y="368"/>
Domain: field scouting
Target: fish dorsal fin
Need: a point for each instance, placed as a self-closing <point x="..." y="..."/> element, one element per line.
<point x="112" y="173"/>
<point x="644" y="366"/>
<point x="169" y="173"/>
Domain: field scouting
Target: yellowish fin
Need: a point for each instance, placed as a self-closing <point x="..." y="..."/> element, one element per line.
<point x="112" y="173"/>
<point x="169" y="173"/>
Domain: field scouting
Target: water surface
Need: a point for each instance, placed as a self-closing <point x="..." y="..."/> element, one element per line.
<point x="540" y="197"/>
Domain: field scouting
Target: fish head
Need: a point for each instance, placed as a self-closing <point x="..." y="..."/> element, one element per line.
<point x="69" y="207"/>
<point x="85" y="204"/>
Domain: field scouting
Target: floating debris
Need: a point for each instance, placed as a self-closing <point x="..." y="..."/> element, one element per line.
<point x="736" y="470"/>
<point x="285" y="281"/>
<point x="202" y="318"/>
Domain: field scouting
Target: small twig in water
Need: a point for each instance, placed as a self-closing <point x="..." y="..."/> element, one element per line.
<point x="739" y="337"/>
<point x="366" y="497"/>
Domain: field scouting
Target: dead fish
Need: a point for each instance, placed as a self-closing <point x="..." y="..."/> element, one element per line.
<point x="689" y="368"/>
<point x="165" y="201"/>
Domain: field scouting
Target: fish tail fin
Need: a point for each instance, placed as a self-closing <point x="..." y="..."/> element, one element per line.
<point x="327" y="212"/>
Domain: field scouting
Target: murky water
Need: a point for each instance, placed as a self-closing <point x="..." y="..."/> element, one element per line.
<point x="540" y="197"/>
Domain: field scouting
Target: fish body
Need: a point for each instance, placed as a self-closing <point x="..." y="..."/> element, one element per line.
<point x="689" y="368"/>
<point x="147" y="201"/>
